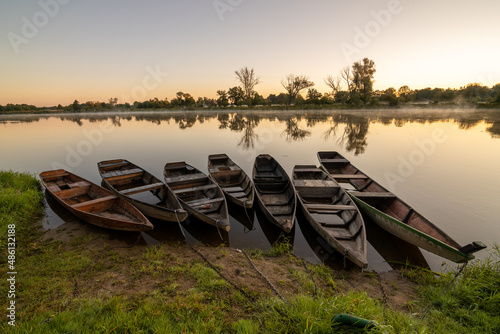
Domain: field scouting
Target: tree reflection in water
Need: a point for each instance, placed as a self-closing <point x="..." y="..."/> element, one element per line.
<point x="353" y="137"/>
<point x="293" y="132"/>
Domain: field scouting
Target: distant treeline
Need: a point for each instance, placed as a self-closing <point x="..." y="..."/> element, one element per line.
<point x="470" y="95"/>
<point x="352" y="88"/>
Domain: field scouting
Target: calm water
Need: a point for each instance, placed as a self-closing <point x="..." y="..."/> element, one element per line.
<point x="444" y="163"/>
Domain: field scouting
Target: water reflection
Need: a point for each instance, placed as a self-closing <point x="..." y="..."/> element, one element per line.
<point x="356" y="122"/>
<point x="353" y="136"/>
<point x="297" y="135"/>
<point x="293" y="132"/>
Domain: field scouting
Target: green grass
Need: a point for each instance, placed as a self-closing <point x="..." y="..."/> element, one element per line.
<point x="471" y="304"/>
<point x="20" y="203"/>
<point x="187" y="296"/>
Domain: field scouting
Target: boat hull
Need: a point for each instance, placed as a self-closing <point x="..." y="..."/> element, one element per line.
<point x="104" y="209"/>
<point x="170" y="209"/>
<point x="274" y="191"/>
<point x="187" y="182"/>
<point x="411" y="235"/>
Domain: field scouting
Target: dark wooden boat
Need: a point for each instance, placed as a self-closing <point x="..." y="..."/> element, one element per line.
<point x="92" y="203"/>
<point x="234" y="182"/>
<point x="274" y="191"/>
<point x="331" y="212"/>
<point x="394" y="215"/>
<point x="198" y="194"/>
<point x="127" y="179"/>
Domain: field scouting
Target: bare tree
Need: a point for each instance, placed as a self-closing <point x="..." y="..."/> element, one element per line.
<point x="249" y="80"/>
<point x="294" y="84"/>
<point x="346" y="75"/>
<point x="333" y="83"/>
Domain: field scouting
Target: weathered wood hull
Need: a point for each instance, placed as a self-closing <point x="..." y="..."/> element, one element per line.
<point x="331" y="212"/>
<point x="92" y="203"/>
<point x="198" y="194"/>
<point x="116" y="178"/>
<point x="274" y="192"/>
<point x="390" y="212"/>
<point x="234" y="182"/>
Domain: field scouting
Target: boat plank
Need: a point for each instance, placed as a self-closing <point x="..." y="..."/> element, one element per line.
<point x="192" y="189"/>
<point x="203" y="201"/>
<point x="348" y="176"/>
<point x="374" y="194"/>
<point x="141" y="189"/>
<point x="83" y="205"/>
<point x="127" y="172"/>
<point x="330" y="207"/>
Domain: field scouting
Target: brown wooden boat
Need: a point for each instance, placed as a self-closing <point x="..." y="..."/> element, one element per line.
<point x="331" y="212"/>
<point x="155" y="200"/>
<point x="92" y="203"/>
<point x="275" y="193"/>
<point x="394" y="215"/>
<point x="198" y="194"/>
<point x="234" y="182"/>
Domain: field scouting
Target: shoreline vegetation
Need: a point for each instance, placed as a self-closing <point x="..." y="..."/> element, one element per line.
<point x="79" y="278"/>
<point x="352" y="88"/>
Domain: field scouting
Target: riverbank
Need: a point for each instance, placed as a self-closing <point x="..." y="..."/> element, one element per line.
<point x="100" y="281"/>
<point x="259" y="108"/>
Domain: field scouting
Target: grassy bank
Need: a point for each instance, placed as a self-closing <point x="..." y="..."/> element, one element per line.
<point x="81" y="279"/>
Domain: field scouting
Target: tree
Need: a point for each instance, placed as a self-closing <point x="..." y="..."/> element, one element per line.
<point x="346" y="75"/>
<point x="294" y="84"/>
<point x="405" y="94"/>
<point x="76" y="105"/>
<point x="112" y="101"/>
<point x="236" y="94"/>
<point x="313" y="96"/>
<point x="362" y="78"/>
<point x="333" y="83"/>
<point x="249" y="80"/>
<point x="222" y="101"/>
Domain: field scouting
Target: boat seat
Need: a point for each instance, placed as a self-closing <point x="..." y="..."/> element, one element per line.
<point x="54" y="177"/>
<point x="204" y="201"/>
<point x="118" y="173"/>
<point x="349" y="176"/>
<point x="185" y="177"/>
<point x="329" y="207"/>
<point x="233" y="189"/>
<point x="340" y="161"/>
<point x="93" y="202"/>
<point x="114" y="164"/>
<point x="192" y="189"/>
<point x="374" y="194"/>
<point x="141" y="189"/>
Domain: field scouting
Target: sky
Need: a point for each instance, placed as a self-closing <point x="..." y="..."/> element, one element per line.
<point x="56" y="51"/>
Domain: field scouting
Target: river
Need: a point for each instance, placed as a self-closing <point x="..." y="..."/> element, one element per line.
<point x="442" y="162"/>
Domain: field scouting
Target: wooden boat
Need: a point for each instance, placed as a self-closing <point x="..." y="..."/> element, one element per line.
<point x="93" y="203"/>
<point x="394" y="215"/>
<point x="331" y="212"/>
<point x="127" y="179"/>
<point x="234" y="182"/>
<point x="197" y="193"/>
<point x="275" y="193"/>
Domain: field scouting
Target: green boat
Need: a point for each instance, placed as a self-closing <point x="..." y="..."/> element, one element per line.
<point x="392" y="214"/>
